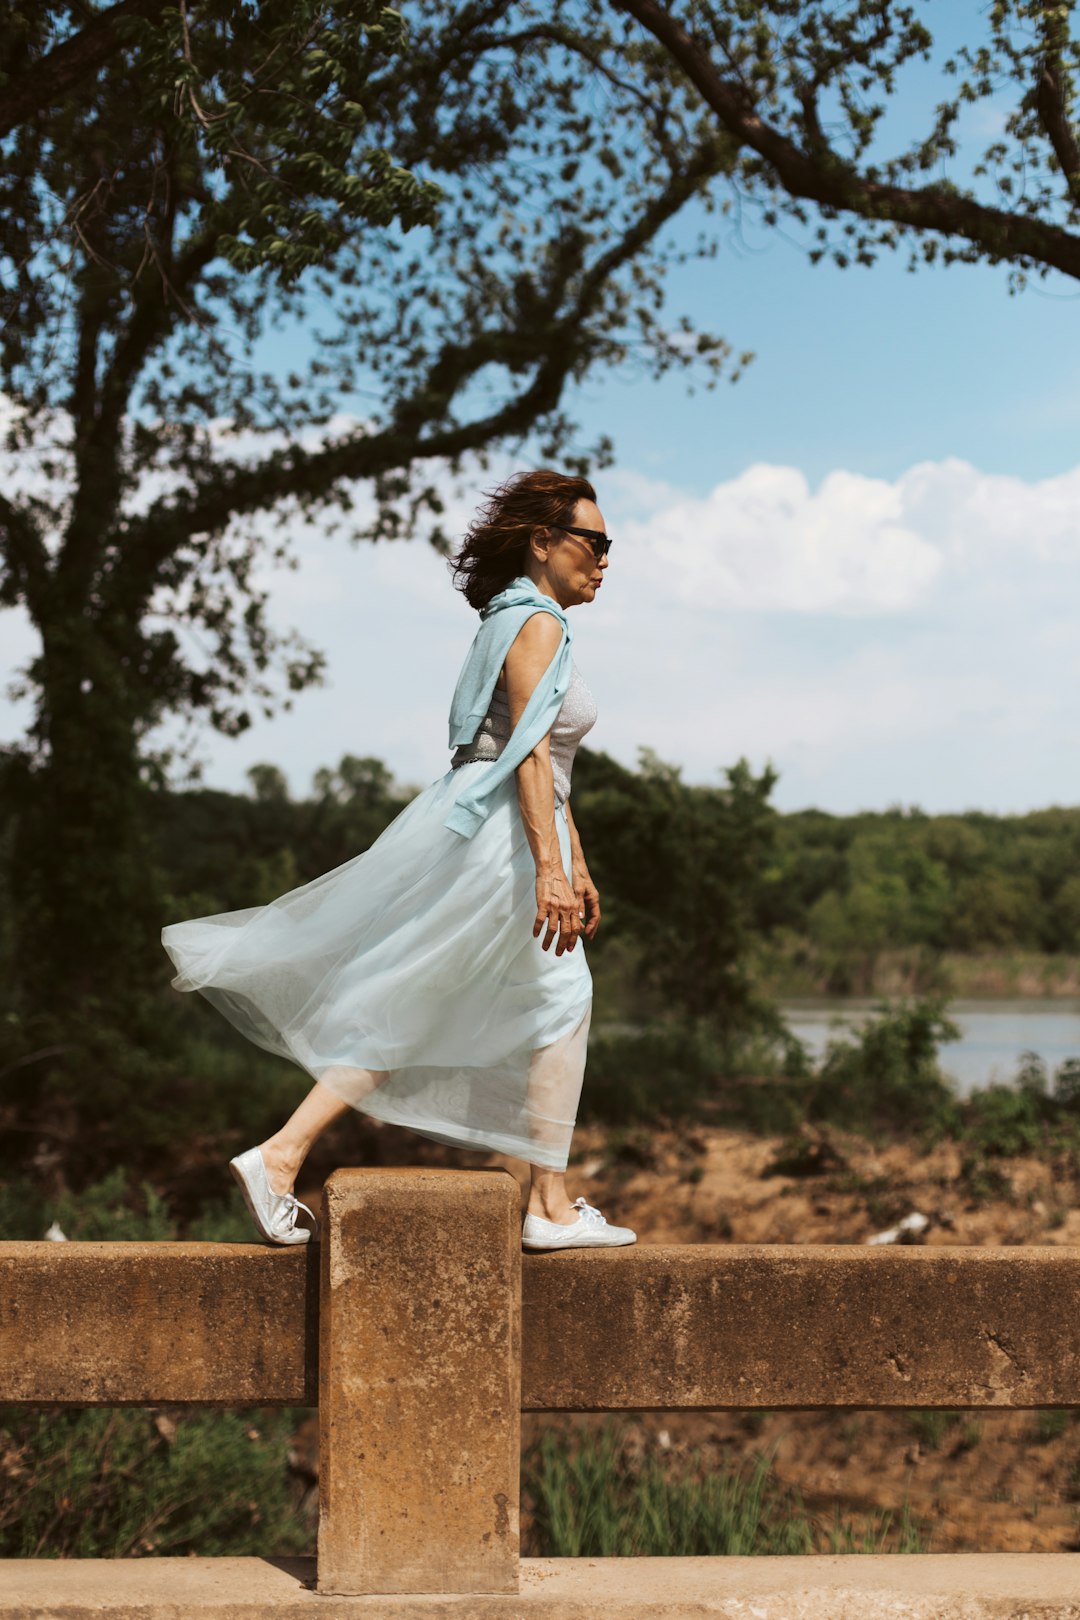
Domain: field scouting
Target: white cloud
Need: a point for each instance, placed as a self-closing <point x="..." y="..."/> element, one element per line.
<point x="764" y="541"/>
<point x="912" y="641"/>
<point x="975" y="517"/>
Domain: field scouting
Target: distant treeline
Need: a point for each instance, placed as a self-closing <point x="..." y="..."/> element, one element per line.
<point x="842" y="894"/>
<point x="969" y="882"/>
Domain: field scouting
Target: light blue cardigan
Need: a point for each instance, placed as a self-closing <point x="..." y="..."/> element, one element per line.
<point x="501" y="620"/>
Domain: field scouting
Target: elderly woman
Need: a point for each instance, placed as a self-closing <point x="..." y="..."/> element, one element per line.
<point x="438" y="980"/>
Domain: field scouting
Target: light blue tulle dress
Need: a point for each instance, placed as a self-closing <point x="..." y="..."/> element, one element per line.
<point x="408" y="980"/>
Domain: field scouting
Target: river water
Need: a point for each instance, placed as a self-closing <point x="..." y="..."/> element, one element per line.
<point x="993" y="1033"/>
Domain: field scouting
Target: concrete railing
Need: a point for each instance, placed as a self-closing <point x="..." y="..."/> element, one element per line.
<point x="422" y="1332"/>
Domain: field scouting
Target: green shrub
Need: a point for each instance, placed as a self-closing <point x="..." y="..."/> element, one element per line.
<point x="103" y="1095"/>
<point x="666" y="1069"/>
<point x="1067" y="1084"/>
<point x="887" y="1076"/>
<point x="222" y="1221"/>
<point x="23" y="1210"/>
<point x="109" y="1210"/>
<point x="116" y="1209"/>
<point x="766" y="1107"/>
<point x="684" y="1068"/>
<point x="984" y="1182"/>
<point x="1031" y="1076"/>
<point x="1000" y="1122"/>
<point x="120" y="1483"/>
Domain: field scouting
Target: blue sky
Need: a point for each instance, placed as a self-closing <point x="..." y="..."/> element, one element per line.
<point x="859" y="563"/>
<point x="872" y="369"/>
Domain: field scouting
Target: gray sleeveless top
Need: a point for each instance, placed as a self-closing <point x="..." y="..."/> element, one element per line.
<point x="576" y="716"/>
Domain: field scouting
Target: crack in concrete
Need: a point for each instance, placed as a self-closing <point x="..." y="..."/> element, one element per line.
<point x="1003" y="1349"/>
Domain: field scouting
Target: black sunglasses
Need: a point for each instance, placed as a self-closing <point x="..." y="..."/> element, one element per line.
<point x="598" y="540"/>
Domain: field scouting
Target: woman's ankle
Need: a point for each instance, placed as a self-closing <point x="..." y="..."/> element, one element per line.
<point x="548" y="1198"/>
<point x="282" y="1162"/>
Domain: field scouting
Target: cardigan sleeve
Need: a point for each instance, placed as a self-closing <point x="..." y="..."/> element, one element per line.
<point x="473" y="805"/>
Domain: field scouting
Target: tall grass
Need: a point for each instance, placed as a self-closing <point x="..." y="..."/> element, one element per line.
<point x="118" y="1484"/>
<point x="587" y="1503"/>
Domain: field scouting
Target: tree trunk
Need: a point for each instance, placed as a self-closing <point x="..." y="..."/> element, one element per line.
<point x="85" y="888"/>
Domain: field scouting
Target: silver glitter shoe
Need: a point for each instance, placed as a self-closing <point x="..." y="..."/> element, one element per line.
<point x="274" y="1213"/>
<point x="589" y="1231"/>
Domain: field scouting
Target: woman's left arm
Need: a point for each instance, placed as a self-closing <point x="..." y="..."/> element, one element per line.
<point x="583" y="885"/>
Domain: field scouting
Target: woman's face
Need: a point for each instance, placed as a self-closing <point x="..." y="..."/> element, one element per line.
<point x="570" y="564"/>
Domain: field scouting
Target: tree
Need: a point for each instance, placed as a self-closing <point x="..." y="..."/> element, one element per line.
<point x="269" y="784"/>
<point x="464" y="238"/>
<point x="791" y="85"/>
<point x="683" y="866"/>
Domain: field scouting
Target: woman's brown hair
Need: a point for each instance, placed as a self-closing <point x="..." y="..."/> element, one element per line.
<point x="496" y="545"/>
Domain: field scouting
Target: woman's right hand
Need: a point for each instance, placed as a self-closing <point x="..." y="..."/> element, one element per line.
<point x="557" y="907"/>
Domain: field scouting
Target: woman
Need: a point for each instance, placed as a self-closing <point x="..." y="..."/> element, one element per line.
<point x="412" y="982"/>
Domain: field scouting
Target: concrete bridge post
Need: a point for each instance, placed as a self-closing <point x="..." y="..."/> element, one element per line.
<point x="419" y="1382"/>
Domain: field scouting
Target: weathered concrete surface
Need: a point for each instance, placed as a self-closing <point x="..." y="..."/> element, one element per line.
<point x="959" y="1586"/>
<point x="143" y="1324"/>
<point x="420" y="1382"/>
<point x="764" y="1325"/>
<point x="709" y="1326"/>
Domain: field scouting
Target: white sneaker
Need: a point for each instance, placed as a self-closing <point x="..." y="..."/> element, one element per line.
<point x="274" y="1213"/>
<point x="589" y="1231"/>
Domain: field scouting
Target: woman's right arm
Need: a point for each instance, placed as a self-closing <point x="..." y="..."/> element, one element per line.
<point x="532" y="650"/>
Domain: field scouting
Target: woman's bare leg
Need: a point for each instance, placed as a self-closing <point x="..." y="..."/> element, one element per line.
<point x="548" y="1196"/>
<point x="554" y="1087"/>
<point x="285" y="1151"/>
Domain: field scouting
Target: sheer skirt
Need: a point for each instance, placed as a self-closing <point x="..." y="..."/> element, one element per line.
<point x="409" y="983"/>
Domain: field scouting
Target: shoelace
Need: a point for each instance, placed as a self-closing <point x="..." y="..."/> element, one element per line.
<point x="292" y="1204"/>
<point x="589" y="1212"/>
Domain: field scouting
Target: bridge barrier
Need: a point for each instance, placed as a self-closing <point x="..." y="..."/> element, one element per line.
<point x="421" y="1332"/>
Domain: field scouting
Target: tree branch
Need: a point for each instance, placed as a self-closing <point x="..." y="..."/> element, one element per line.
<point x="27" y="558"/>
<point x="554" y="342"/>
<point x="1050" y="106"/>
<point x="825" y="177"/>
<point x="98" y="480"/>
<point x="56" y="75"/>
<point x="570" y="39"/>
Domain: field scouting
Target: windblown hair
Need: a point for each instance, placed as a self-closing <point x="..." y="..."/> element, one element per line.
<point x="496" y="547"/>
